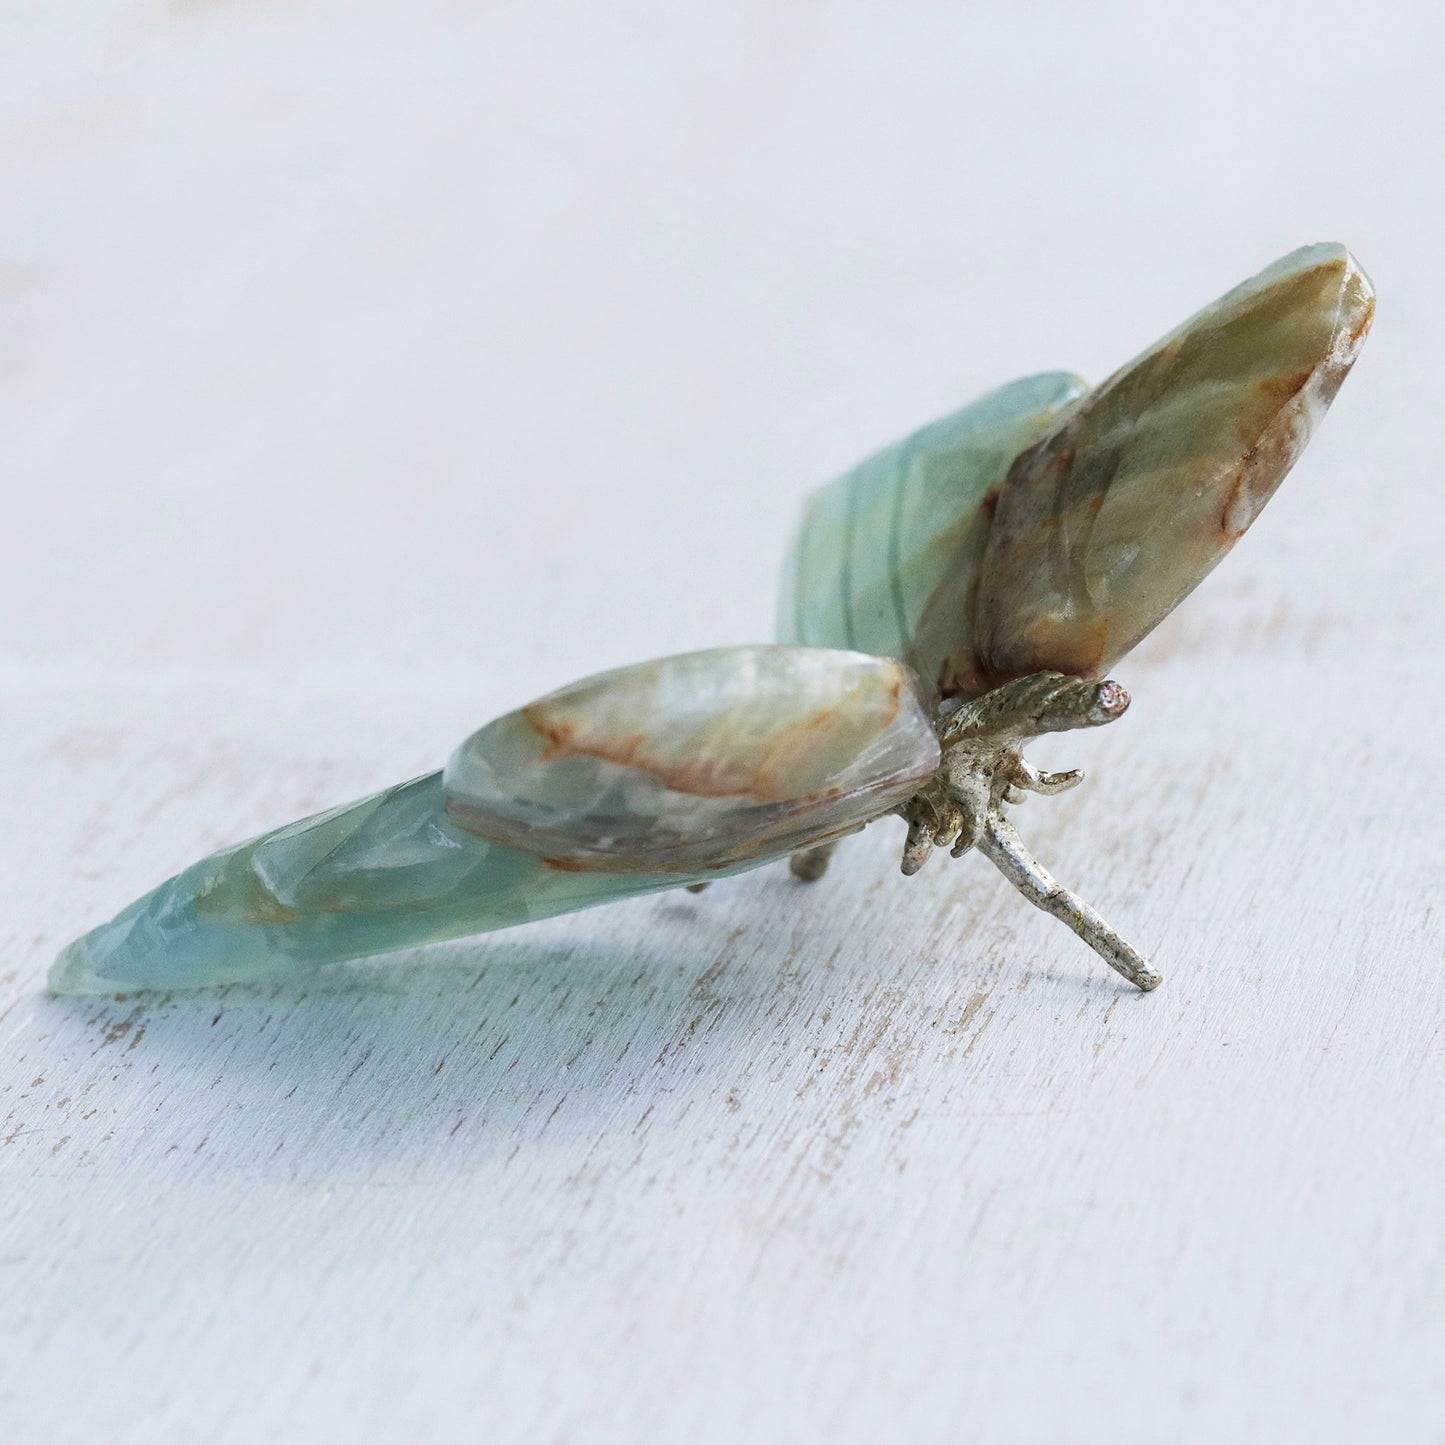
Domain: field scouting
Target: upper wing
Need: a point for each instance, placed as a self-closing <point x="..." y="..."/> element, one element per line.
<point x="1103" y="528"/>
<point x="1062" y="553"/>
<point x="704" y="761"/>
<point x="878" y="545"/>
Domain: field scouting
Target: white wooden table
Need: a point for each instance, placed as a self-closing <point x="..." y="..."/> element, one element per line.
<point x="366" y="370"/>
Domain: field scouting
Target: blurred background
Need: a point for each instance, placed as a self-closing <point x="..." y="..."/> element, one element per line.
<point x="430" y="336"/>
<point x="367" y="369"/>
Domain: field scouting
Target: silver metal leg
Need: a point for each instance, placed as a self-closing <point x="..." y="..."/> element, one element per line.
<point x="1005" y="849"/>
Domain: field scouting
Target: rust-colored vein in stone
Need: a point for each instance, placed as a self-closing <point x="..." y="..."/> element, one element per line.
<point x="560" y="740"/>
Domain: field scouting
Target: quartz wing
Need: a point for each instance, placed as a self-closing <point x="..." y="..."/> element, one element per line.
<point x="1106" y="524"/>
<point x="706" y="761"/>
<point x="886" y="556"/>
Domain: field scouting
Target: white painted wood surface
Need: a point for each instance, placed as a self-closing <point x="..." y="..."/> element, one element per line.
<point x="365" y="370"/>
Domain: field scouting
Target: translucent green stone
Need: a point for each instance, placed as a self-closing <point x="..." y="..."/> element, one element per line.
<point x="1106" y="525"/>
<point x="650" y="777"/>
<point x="390" y="871"/>
<point x="1041" y="529"/>
<point x="884" y="557"/>
<point x="698" y="761"/>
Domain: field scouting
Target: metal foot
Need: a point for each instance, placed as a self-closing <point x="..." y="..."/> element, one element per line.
<point x="1003" y="847"/>
<point x="810" y="865"/>
<point x="983" y="771"/>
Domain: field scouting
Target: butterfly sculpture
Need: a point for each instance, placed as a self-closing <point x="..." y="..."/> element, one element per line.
<point x="946" y="601"/>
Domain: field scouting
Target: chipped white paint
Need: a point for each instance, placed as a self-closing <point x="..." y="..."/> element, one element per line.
<point x="351" y="394"/>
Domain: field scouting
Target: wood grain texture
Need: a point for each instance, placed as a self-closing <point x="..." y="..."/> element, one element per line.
<point x="350" y="394"/>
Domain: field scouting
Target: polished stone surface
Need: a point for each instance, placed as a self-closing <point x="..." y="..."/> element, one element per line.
<point x="388" y="871"/>
<point x="1103" y="528"/>
<point x="884" y="556"/>
<point x="721" y="760"/>
<point x="1042" y="529"/>
<point x="698" y="762"/>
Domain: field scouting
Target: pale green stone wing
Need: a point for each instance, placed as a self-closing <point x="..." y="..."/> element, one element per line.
<point x="390" y="871"/>
<point x="764" y="749"/>
<point x="1106" y="525"/>
<point x="885" y="555"/>
<point x="701" y="761"/>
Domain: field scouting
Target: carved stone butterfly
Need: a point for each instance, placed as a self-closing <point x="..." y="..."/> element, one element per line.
<point x="947" y="600"/>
